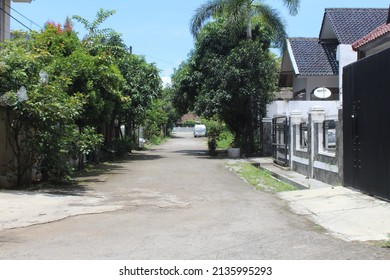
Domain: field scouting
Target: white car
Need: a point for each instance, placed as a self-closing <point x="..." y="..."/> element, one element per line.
<point x="199" y="130"/>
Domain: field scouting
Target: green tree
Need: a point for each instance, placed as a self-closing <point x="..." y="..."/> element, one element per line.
<point x="93" y="39"/>
<point x="143" y="85"/>
<point x="103" y="80"/>
<point x="237" y="17"/>
<point x="241" y="14"/>
<point x="229" y="80"/>
<point x="185" y="84"/>
<point x="160" y="117"/>
<point x="237" y="80"/>
<point x="41" y="120"/>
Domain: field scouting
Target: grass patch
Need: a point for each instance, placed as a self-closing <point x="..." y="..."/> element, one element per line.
<point x="259" y="178"/>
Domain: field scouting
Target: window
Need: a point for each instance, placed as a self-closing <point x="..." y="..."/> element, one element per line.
<point x="303" y="138"/>
<point x="329" y="135"/>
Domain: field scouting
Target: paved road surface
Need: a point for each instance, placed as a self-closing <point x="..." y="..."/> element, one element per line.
<point x="174" y="202"/>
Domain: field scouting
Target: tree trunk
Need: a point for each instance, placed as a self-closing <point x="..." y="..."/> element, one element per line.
<point x="249" y="26"/>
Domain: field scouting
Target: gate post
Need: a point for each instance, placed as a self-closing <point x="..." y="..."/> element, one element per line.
<point x="266" y="136"/>
<point x="295" y="119"/>
<point x="340" y="145"/>
<point x="316" y="115"/>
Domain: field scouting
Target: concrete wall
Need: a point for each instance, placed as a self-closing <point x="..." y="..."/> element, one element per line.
<point x="6" y="156"/>
<point x="284" y="107"/>
<point x="313" y="160"/>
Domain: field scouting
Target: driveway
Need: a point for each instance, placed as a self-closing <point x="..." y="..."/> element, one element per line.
<point x="174" y="202"/>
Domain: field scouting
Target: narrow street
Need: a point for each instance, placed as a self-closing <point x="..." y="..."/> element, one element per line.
<point x="174" y="202"/>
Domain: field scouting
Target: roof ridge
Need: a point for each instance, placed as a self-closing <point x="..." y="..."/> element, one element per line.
<point x="357" y="9"/>
<point x="303" y="38"/>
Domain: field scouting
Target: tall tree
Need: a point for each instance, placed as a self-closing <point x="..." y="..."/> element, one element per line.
<point x="223" y="78"/>
<point x="241" y="14"/>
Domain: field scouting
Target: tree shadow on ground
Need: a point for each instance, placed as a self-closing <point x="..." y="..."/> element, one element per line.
<point x="196" y="153"/>
<point x="92" y="173"/>
<point x="203" y="154"/>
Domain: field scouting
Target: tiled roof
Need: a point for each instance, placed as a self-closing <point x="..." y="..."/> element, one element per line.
<point x="376" y="33"/>
<point x="352" y="24"/>
<point x="313" y="58"/>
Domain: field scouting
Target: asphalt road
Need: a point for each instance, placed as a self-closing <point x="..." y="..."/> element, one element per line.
<point x="174" y="202"/>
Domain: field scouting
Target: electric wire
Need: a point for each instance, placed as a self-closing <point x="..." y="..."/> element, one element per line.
<point x="155" y="58"/>
<point x="23" y="16"/>
<point x="1" y="9"/>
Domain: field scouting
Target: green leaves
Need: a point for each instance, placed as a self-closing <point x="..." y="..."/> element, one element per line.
<point x="93" y="84"/>
<point x="227" y="80"/>
<point x="241" y="15"/>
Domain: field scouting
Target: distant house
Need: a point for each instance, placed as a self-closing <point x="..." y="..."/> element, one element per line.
<point x="306" y="131"/>
<point x="188" y="119"/>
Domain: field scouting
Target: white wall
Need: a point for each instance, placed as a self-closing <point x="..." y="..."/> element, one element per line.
<point x="345" y="55"/>
<point x="285" y="107"/>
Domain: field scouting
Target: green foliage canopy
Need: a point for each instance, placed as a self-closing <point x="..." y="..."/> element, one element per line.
<point x="226" y="79"/>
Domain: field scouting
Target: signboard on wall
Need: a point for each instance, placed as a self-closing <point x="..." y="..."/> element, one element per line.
<point x="322" y="92"/>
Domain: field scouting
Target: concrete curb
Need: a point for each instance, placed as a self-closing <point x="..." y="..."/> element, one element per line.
<point x="345" y="213"/>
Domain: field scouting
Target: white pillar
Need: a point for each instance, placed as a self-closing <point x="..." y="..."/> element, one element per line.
<point x="295" y="119"/>
<point x="316" y="115"/>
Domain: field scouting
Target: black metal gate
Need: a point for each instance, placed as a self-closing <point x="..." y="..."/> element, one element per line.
<point x="280" y="140"/>
<point x="366" y="128"/>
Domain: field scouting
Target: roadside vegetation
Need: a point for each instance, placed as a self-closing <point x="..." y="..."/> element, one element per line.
<point x="66" y="100"/>
<point x="258" y="178"/>
<point x="231" y="73"/>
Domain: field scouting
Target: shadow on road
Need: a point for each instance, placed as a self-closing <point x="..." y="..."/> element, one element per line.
<point x="195" y="153"/>
<point x="97" y="174"/>
<point x="143" y="156"/>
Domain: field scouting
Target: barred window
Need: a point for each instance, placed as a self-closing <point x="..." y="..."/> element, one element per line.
<point x="329" y="135"/>
<point x="303" y="136"/>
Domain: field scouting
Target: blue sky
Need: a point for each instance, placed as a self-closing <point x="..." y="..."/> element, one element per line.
<point x="160" y="29"/>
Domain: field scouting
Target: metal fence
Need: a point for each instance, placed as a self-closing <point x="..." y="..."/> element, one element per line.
<point x="280" y="140"/>
<point x="366" y="100"/>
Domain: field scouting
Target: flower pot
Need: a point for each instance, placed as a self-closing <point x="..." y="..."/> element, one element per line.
<point x="234" y="152"/>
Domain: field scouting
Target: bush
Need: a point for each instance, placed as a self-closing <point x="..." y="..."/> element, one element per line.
<point x="122" y="146"/>
<point x="225" y="140"/>
<point x="219" y="137"/>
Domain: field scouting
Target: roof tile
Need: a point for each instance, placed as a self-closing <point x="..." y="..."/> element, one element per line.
<point x="314" y="58"/>
<point x="351" y="24"/>
<point x="376" y="33"/>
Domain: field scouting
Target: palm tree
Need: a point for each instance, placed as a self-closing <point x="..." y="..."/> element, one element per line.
<point x="240" y="13"/>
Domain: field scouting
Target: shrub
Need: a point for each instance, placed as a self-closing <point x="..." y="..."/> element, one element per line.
<point x="122" y="146"/>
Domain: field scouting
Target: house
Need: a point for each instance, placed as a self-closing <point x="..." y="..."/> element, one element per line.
<point x="366" y="115"/>
<point x="5" y="33"/>
<point x="374" y="42"/>
<point x="309" y="63"/>
<point x="306" y="131"/>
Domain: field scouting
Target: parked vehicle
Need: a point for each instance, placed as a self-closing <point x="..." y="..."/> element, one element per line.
<point x="199" y="130"/>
